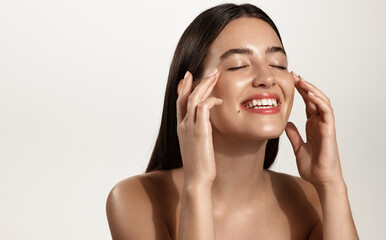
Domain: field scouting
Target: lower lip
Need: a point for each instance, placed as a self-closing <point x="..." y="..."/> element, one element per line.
<point x="272" y="110"/>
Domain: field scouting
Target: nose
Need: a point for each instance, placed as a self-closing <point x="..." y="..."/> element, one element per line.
<point x="263" y="78"/>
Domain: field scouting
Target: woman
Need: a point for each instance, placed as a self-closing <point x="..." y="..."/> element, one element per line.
<point x="222" y="123"/>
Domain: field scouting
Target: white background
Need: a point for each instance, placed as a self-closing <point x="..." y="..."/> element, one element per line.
<point x="81" y="92"/>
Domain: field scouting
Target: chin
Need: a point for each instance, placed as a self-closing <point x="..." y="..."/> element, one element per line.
<point x="265" y="133"/>
<point x="272" y="131"/>
<point x="260" y="131"/>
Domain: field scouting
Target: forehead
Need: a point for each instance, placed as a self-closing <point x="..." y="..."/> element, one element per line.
<point x="244" y="32"/>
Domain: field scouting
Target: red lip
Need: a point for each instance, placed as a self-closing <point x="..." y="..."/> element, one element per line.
<point x="265" y="110"/>
<point x="263" y="95"/>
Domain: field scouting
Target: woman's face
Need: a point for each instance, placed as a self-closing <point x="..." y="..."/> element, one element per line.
<point x="260" y="67"/>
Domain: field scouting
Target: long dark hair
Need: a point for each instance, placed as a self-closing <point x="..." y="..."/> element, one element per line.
<point x="188" y="56"/>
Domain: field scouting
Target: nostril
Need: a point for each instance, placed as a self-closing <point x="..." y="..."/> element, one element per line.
<point x="266" y="85"/>
<point x="264" y="81"/>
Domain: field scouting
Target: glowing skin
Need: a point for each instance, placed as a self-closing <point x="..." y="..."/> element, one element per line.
<point x="228" y="151"/>
<point x="239" y="136"/>
<point x="260" y="73"/>
<point x="228" y="178"/>
<point x="222" y="190"/>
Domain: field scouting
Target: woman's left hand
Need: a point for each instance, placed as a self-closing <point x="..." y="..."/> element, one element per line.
<point x="317" y="159"/>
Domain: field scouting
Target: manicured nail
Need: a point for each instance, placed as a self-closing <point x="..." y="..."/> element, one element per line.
<point x="186" y="74"/>
<point x="295" y="75"/>
<point x="213" y="73"/>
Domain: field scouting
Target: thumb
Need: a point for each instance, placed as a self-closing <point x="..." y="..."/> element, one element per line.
<point x="294" y="136"/>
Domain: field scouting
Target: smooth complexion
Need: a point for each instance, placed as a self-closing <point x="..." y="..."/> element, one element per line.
<point x="223" y="150"/>
<point x="222" y="191"/>
<point x="223" y="158"/>
<point x="240" y="137"/>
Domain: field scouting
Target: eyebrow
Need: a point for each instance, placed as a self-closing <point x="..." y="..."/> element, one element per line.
<point x="248" y="51"/>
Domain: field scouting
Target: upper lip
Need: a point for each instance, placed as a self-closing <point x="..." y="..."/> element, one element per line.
<point x="263" y="96"/>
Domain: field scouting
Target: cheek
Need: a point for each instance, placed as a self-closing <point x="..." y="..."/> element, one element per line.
<point x="289" y="93"/>
<point x="288" y="87"/>
<point x="230" y="92"/>
<point x="221" y="89"/>
<point x="229" y="87"/>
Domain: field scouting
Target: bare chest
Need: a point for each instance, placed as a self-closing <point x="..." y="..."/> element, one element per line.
<point x="274" y="223"/>
<point x="285" y="214"/>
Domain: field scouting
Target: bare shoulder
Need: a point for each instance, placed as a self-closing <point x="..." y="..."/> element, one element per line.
<point x="130" y="208"/>
<point x="302" y="196"/>
<point x="290" y="182"/>
<point x="295" y="186"/>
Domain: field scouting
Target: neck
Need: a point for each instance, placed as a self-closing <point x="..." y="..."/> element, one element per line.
<point x="240" y="177"/>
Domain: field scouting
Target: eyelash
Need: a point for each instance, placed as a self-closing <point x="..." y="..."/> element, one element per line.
<point x="279" y="67"/>
<point x="235" y="68"/>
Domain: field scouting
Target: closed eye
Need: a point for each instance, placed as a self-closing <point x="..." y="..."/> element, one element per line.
<point x="281" y="67"/>
<point x="276" y="66"/>
<point x="235" y="68"/>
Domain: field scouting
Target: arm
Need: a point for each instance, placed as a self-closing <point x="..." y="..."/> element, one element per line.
<point x="319" y="163"/>
<point x="196" y="221"/>
<point x="337" y="218"/>
<point x="196" y="144"/>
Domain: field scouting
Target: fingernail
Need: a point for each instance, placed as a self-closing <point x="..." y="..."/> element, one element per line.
<point x="311" y="93"/>
<point x="295" y="75"/>
<point x="214" y="72"/>
<point x="186" y="74"/>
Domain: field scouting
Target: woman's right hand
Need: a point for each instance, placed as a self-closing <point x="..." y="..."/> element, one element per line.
<point x="194" y="129"/>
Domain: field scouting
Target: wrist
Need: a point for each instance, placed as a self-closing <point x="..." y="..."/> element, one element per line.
<point x="331" y="187"/>
<point x="196" y="185"/>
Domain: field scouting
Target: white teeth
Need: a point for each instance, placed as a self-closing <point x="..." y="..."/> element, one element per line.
<point x="258" y="103"/>
<point x="257" y="107"/>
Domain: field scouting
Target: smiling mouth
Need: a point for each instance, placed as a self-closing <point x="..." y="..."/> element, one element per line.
<point x="262" y="103"/>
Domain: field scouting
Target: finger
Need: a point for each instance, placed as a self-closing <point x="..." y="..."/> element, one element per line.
<point x="311" y="108"/>
<point x="203" y="111"/>
<point x="183" y="95"/>
<point x="294" y="137"/>
<point x="210" y="89"/>
<point x="179" y="86"/>
<point x="311" y="88"/>
<point x="196" y="96"/>
<point x="295" y="77"/>
<point x="324" y="108"/>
